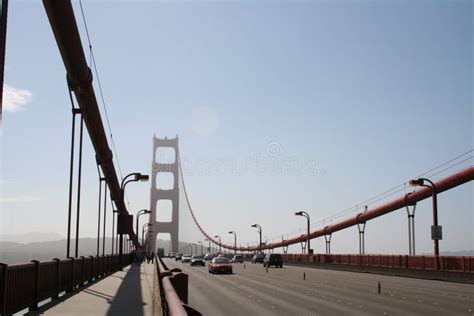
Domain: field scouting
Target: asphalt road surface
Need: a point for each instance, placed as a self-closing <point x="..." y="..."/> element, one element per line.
<point x="253" y="291"/>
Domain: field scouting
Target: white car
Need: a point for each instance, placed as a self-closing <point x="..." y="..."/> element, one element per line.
<point x="186" y="258"/>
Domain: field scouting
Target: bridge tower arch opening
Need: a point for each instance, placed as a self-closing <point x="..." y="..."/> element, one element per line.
<point x="168" y="194"/>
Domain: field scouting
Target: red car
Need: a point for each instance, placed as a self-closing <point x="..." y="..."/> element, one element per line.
<point x="220" y="265"/>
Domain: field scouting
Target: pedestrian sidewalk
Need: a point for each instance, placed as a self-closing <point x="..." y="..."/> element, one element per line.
<point x="128" y="292"/>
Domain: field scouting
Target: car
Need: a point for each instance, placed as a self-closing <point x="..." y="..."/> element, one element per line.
<point x="198" y="260"/>
<point x="273" y="259"/>
<point x="171" y="254"/>
<point x="186" y="258"/>
<point x="178" y="256"/>
<point x="258" y="258"/>
<point x="209" y="257"/>
<point x="220" y="265"/>
<point x="238" y="258"/>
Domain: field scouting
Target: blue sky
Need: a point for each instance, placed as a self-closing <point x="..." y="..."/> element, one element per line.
<point x="368" y="94"/>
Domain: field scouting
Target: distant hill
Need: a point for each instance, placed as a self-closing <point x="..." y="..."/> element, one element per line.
<point x="460" y="253"/>
<point x="31" y="237"/>
<point x="16" y="253"/>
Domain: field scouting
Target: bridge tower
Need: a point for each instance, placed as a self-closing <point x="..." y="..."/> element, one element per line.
<point x="171" y="227"/>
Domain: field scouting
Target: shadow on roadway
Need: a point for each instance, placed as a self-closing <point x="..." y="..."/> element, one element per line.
<point x="128" y="300"/>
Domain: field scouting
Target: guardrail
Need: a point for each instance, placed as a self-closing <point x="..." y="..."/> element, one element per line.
<point x="447" y="263"/>
<point x="173" y="285"/>
<point x="26" y="285"/>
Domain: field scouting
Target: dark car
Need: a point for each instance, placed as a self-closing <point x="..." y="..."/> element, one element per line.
<point x="197" y="261"/>
<point x="273" y="259"/>
<point x="220" y="265"/>
<point x="178" y="256"/>
<point x="209" y="257"/>
<point x="258" y="258"/>
<point x="238" y="259"/>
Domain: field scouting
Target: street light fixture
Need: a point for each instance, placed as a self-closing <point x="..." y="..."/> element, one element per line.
<point x="140" y="213"/>
<point x="436" y="231"/>
<point x="260" y="233"/>
<point x="235" y="240"/>
<point x="305" y="214"/>
<point x="220" y="242"/>
<point x="136" y="177"/>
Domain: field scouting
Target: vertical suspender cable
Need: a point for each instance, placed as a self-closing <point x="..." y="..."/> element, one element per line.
<point x="113" y="227"/>
<point x="79" y="176"/>
<point x="71" y="175"/>
<point x="105" y="216"/>
<point x="98" y="213"/>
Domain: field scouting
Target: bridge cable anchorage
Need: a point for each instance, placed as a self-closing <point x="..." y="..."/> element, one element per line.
<point x="361" y="228"/>
<point x="411" y="225"/>
<point x="327" y="238"/>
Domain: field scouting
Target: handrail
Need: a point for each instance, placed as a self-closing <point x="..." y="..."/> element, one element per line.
<point x="173" y="285"/>
<point x="25" y="285"/>
<point x="175" y="307"/>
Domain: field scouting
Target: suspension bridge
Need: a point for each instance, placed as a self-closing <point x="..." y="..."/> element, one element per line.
<point x="312" y="281"/>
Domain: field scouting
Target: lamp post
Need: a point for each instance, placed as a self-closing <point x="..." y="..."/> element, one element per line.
<point x="136" y="177"/>
<point x="220" y="242"/>
<point x="140" y="213"/>
<point x="436" y="231"/>
<point x="305" y="214"/>
<point x="260" y="233"/>
<point x="235" y="240"/>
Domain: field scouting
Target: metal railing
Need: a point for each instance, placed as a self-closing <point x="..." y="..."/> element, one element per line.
<point x="447" y="263"/>
<point x="173" y="285"/>
<point x="26" y="285"/>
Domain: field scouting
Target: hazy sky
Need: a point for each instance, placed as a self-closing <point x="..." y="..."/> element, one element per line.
<point x="355" y="96"/>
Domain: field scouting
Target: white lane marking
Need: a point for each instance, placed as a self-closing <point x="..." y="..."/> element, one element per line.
<point x="436" y="304"/>
<point x="404" y="298"/>
<point x="273" y="306"/>
<point x="419" y="301"/>
<point x="469" y="310"/>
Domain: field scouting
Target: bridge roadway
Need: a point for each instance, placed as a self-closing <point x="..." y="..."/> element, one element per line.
<point x="251" y="291"/>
